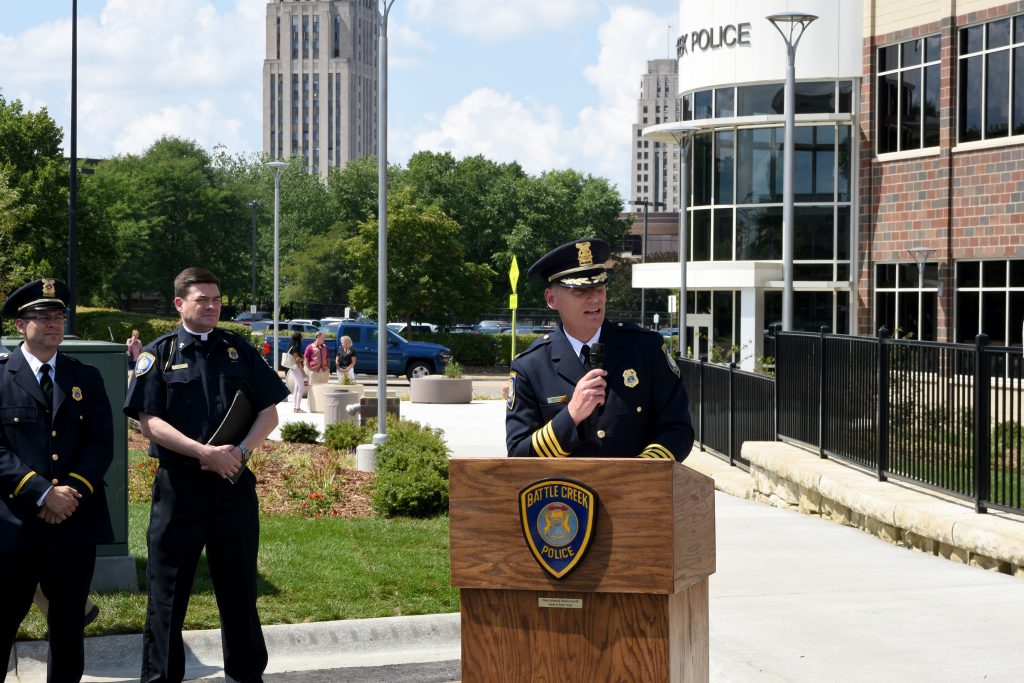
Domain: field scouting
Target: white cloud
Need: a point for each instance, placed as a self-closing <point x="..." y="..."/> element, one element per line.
<point x="203" y="123"/>
<point x="493" y="20"/>
<point x="141" y="63"/>
<point x="500" y="128"/>
<point x="505" y="127"/>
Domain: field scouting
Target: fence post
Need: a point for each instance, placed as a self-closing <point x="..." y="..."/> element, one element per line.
<point x="882" y="459"/>
<point x="700" y="408"/>
<point x="776" y="329"/>
<point x="982" y="450"/>
<point x="732" y="414"/>
<point x="821" y="390"/>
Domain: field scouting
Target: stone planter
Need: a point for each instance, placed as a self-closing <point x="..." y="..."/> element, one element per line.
<point x="358" y="389"/>
<point x="440" y="389"/>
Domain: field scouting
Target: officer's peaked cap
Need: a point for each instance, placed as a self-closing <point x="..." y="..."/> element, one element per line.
<point x="44" y="294"/>
<point x="578" y="265"/>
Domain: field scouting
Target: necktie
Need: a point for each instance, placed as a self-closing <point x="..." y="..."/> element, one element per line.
<point x="46" y="384"/>
<point x="585" y="355"/>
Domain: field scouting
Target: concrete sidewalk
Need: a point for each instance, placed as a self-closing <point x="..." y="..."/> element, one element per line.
<point x="795" y="598"/>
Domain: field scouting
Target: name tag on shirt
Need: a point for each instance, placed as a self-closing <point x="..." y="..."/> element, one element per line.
<point x="179" y="366"/>
<point x="555" y="400"/>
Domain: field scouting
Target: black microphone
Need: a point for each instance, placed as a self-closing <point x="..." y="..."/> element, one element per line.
<point x="596" y="362"/>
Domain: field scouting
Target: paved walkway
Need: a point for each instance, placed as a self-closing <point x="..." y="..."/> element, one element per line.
<point x="794" y="598"/>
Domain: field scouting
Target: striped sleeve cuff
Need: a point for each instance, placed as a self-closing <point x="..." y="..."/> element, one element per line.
<point x="545" y="443"/>
<point x="24" y="480"/>
<point x="83" y="480"/>
<point x="657" y="452"/>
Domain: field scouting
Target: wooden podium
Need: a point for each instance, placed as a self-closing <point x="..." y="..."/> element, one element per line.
<point x="634" y="609"/>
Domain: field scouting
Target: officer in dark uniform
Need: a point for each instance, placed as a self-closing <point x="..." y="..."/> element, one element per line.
<point x="56" y="443"/>
<point x="560" y="405"/>
<point x="183" y="386"/>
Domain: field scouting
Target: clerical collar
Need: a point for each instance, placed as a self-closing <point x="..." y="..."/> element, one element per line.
<point x="202" y="336"/>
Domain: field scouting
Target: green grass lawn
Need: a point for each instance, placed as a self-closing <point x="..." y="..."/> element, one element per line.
<point x="310" y="570"/>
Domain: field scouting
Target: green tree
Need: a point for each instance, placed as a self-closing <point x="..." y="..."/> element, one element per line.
<point x="32" y="159"/>
<point x="169" y="208"/>
<point x="13" y="255"/>
<point x="428" y="278"/>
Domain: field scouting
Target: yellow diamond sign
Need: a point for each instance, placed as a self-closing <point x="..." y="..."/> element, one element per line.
<point x="513" y="273"/>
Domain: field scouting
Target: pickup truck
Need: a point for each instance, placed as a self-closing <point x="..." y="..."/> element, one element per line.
<point x="413" y="359"/>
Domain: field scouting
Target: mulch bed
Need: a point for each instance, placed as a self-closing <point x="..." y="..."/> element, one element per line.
<point x="276" y="476"/>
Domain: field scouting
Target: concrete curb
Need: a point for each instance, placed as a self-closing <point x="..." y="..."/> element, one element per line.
<point x="292" y="647"/>
<point x="728" y="479"/>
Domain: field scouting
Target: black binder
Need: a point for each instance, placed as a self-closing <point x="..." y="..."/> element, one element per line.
<point x="234" y="427"/>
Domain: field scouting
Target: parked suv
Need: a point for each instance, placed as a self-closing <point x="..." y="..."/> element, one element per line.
<point x="412" y="359"/>
<point x="248" y="318"/>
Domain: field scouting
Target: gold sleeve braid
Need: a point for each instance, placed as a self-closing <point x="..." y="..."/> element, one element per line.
<point x="545" y="443"/>
<point x="21" y="483"/>
<point x="657" y="451"/>
<point x="83" y="480"/>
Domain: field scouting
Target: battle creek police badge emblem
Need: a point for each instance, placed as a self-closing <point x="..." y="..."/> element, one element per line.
<point x="558" y="517"/>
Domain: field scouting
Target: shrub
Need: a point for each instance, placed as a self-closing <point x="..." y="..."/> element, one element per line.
<point x="300" y="432"/>
<point x="471" y="349"/>
<point x="345" y="436"/>
<point x="453" y="370"/>
<point x="412" y="472"/>
<point x="523" y="342"/>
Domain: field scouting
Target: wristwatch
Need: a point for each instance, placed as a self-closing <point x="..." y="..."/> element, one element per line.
<point x="245" y="451"/>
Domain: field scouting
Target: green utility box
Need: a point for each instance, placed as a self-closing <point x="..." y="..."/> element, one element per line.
<point x="115" y="568"/>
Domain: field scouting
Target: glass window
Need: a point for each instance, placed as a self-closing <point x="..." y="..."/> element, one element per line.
<point x="702" y="105"/>
<point x="723" y="235"/>
<point x="902" y="305"/>
<point x="725" y="102"/>
<point x="700" y="235"/>
<point x="702" y="169"/>
<point x="760" y="99"/>
<point x="814" y="234"/>
<point x="908" y="95"/>
<point x="724" y="163"/>
<point x="989" y="80"/>
<point x="815" y="97"/>
<point x="759" y="165"/>
<point x="759" y="234"/>
<point x="815" y="162"/>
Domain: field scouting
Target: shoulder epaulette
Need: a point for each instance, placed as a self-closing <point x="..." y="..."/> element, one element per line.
<point x="539" y="342"/>
<point x="4" y="357"/>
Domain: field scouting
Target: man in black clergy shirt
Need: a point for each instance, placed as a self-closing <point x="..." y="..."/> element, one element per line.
<point x="56" y="443"/>
<point x="183" y="386"/>
<point x="560" y="406"/>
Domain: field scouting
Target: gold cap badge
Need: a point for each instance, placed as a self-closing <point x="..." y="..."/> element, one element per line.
<point x="584" y="256"/>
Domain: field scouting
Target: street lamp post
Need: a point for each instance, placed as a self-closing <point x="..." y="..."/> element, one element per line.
<point x="382" y="219"/>
<point x="643" y="250"/>
<point x="679" y="134"/>
<point x="253" y="207"/>
<point x="791" y="26"/>
<point x="277" y="166"/>
<point x="920" y="255"/>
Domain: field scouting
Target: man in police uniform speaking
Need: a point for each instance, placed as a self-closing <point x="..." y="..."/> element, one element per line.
<point x="56" y="443"/>
<point x="184" y="384"/>
<point x="560" y="404"/>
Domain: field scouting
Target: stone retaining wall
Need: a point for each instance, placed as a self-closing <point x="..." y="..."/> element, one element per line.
<point x="790" y="477"/>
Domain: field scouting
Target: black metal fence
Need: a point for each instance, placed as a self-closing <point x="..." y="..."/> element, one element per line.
<point x="944" y="416"/>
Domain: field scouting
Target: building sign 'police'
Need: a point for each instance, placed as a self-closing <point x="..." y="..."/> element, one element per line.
<point x="558" y="517"/>
<point x="713" y="38"/>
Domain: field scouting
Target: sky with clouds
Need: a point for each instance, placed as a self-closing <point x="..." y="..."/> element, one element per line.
<point x="547" y="84"/>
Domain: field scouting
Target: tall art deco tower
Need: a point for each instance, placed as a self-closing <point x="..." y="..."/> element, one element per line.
<point x="320" y="81"/>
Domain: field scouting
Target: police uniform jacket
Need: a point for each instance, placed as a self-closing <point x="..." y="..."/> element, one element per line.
<point x="645" y="412"/>
<point x="191" y="386"/>
<point x="69" y="445"/>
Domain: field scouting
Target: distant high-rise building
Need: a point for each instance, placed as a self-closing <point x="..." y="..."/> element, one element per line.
<point x="655" y="166"/>
<point x="320" y="81"/>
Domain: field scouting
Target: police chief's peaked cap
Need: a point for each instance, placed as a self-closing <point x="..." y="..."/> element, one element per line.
<point x="44" y="294"/>
<point x="577" y="265"/>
